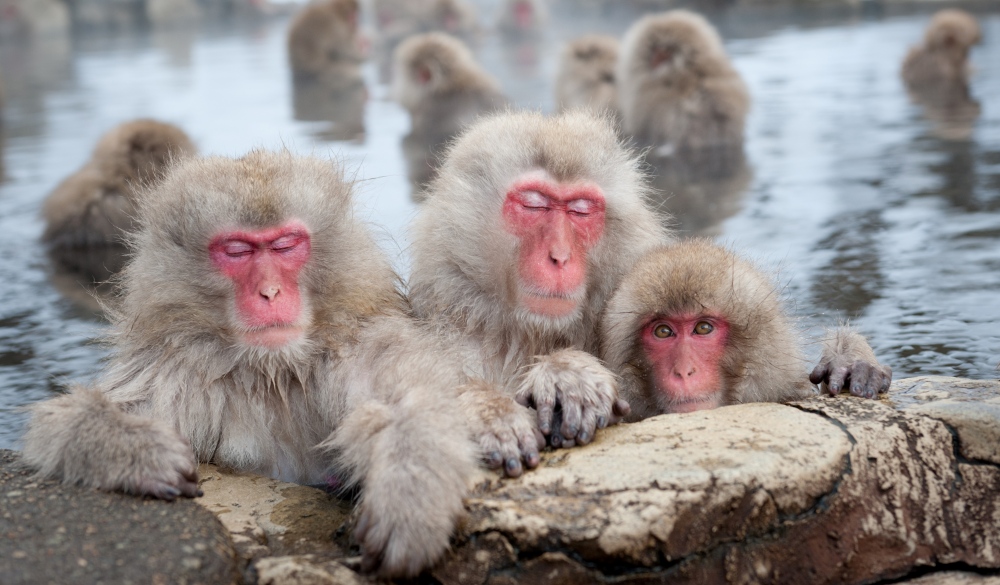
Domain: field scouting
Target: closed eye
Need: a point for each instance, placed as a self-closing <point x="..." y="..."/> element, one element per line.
<point x="581" y="206"/>
<point x="534" y="200"/>
<point x="236" y="249"/>
<point x="286" y="243"/>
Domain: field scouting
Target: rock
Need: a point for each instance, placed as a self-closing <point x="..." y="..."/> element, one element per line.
<point x="52" y="533"/>
<point x="970" y="407"/>
<point x="827" y="490"/>
<point x="268" y="517"/>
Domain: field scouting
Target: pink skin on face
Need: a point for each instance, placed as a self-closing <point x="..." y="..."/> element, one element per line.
<point x="686" y="359"/>
<point x="557" y="224"/>
<point x="523" y="14"/>
<point x="264" y="266"/>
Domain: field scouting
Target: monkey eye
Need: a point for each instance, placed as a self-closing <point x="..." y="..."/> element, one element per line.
<point x="236" y="249"/>
<point x="703" y="328"/>
<point x="662" y="331"/>
<point x="534" y="200"/>
<point x="581" y="207"/>
<point x="285" y="243"/>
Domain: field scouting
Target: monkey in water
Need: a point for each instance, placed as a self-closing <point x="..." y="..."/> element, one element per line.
<point x="694" y="326"/>
<point x="436" y="78"/>
<point x="586" y="76"/>
<point x="524" y="234"/>
<point x="676" y="88"/>
<point x="523" y="18"/>
<point x="323" y="40"/>
<point x="259" y="320"/>
<point x="93" y="209"/>
<point x="942" y="59"/>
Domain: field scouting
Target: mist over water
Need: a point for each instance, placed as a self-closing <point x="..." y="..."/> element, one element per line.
<point x="865" y="205"/>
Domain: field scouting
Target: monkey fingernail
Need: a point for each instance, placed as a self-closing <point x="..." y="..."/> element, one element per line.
<point x="513" y="467"/>
<point x="199" y="494"/>
<point x="532" y="460"/>
<point x="602" y="422"/>
<point x="583" y="438"/>
<point x="494" y="460"/>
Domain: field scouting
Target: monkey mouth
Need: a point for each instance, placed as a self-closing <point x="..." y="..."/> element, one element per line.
<point x="693" y="404"/>
<point x="551" y="304"/>
<point x="273" y="336"/>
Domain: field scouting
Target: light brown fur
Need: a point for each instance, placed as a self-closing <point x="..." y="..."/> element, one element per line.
<point x="457" y="91"/>
<point x="323" y="39"/>
<point x="942" y="57"/>
<point x="693" y="100"/>
<point x="586" y="76"/>
<point x="763" y="361"/>
<point x="95" y="206"/>
<point x="364" y="382"/>
<point x="464" y="262"/>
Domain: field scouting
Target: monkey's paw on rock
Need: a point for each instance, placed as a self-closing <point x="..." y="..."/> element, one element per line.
<point x="54" y="533"/>
<point x="826" y="490"/>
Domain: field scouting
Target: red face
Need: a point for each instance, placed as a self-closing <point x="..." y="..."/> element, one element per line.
<point x="264" y="267"/>
<point x="685" y="352"/>
<point x="523" y="14"/>
<point x="557" y="225"/>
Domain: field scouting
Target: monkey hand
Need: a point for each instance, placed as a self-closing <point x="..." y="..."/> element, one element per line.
<point x="85" y="438"/>
<point x="506" y="431"/>
<point x="573" y="394"/>
<point x="849" y="362"/>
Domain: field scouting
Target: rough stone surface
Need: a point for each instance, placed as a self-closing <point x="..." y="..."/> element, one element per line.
<point x="970" y="407"/>
<point x="827" y="490"/>
<point x="267" y="517"/>
<point x="51" y="533"/>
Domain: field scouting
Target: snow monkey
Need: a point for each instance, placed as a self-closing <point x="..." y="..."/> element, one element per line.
<point x="323" y="40"/>
<point x="436" y="78"/>
<point x="94" y="207"/>
<point x="942" y="57"/>
<point x="676" y="87"/>
<point x="587" y="74"/>
<point x="259" y="320"/>
<point x="524" y="234"/>
<point x="694" y="326"/>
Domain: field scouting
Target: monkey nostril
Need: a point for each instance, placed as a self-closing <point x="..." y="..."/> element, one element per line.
<point x="270" y="292"/>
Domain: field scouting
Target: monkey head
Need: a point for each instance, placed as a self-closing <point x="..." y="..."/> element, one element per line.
<point x="954" y="32"/>
<point x="674" y="45"/>
<point x="595" y="57"/>
<point x="429" y="64"/>
<point x="346" y="11"/>
<point x="137" y="153"/>
<point x="256" y="257"/>
<point x="696" y="327"/>
<point x="534" y="214"/>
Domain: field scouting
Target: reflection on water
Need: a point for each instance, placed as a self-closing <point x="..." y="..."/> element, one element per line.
<point x="866" y="206"/>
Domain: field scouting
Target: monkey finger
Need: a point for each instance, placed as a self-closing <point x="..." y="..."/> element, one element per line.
<point x="860" y="373"/>
<point x="158" y="489"/>
<point x="529" y="450"/>
<point x="572" y="414"/>
<point x="837" y="378"/>
<point x="820" y="373"/>
<point x="621" y="407"/>
<point x="546" y="411"/>
<point x="886" y="379"/>
<point x="361" y="527"/>
<point x="493" y="459"/>
<point x="540" y="439"/>
<point x="190" y="489"/>
<point x="588" y="426"/>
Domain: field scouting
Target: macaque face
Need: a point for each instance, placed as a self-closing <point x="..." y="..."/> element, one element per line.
<point x="685" y="354"/>
<point x="524" y="14"/>
<point x="557" y="224"/>
<point x="664" y="57"/>
<point x="264" y="267"/>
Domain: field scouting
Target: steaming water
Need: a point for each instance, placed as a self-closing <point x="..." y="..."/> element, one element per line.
<point x="852" y="195"/>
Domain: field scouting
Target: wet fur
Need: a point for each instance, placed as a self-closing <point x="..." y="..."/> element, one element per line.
<point x="95" y="206"/>
<point x="586" y="76"/>
<point x="365" y="383"/>
<point x="702" y="103"/>
<point x="322" y="41"/>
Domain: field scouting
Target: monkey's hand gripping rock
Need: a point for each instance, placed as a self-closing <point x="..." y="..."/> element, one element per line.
<point x="84" y="438"/>
<point x="506" y="431"/>
<point x="573" y="394"/>
<point x="849" y="362"/>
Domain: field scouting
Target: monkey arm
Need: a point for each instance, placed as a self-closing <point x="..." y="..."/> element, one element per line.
<point x="585" y="391"/>
<point x="403" y="441"/>
<point x="85" y="438"/>
<point x="849" y="362"/>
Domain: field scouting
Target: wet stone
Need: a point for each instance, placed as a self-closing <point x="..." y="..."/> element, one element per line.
<point x="52" y="533"/>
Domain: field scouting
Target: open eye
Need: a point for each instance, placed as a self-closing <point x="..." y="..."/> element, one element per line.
<point x="534" y="200"/>
<point x="286" y="243"/>
<point x="703" y="328"/>
<point x="662" y="331"/>
<point x="581" y="206"/>
<point x="236" y="248"/>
